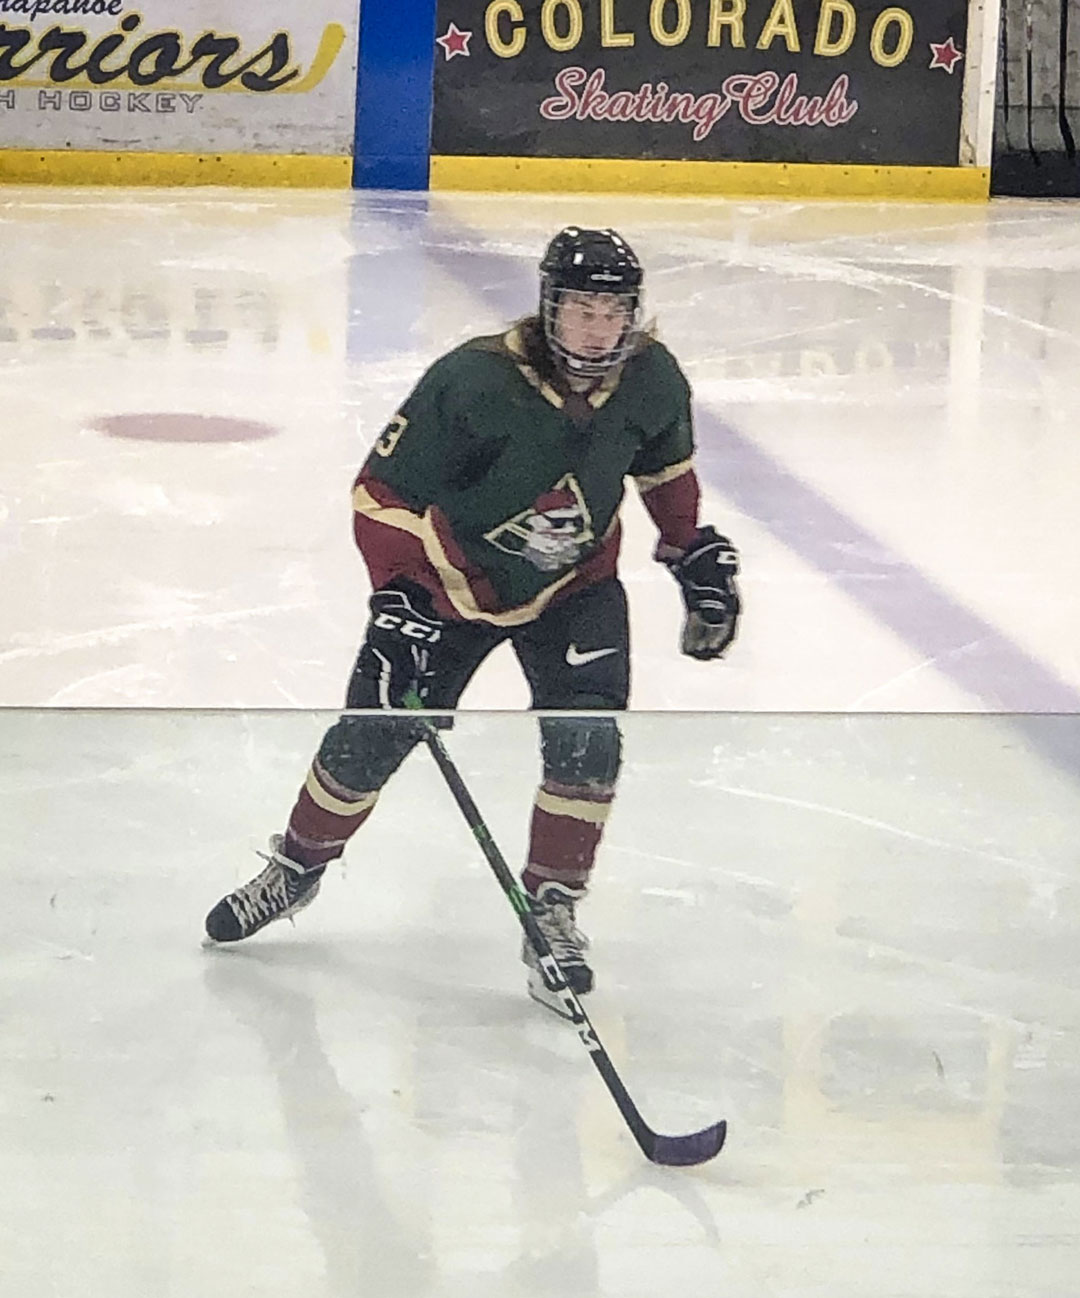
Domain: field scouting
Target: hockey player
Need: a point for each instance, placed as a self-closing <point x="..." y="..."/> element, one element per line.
<point x="488" y="510"/>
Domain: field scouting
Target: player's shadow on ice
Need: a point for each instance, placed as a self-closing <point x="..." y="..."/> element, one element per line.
<point x="481" y="1059"/>
<point x="423" y="969"/>
<point x="361" y="1230"/>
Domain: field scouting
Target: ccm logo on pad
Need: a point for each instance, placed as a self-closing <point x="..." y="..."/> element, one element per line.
<point x="407" y="627"/>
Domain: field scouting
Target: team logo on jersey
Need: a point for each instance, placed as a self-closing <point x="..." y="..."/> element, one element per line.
<point x="551" y="534"/>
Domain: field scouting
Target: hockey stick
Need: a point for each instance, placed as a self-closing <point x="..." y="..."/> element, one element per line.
<point x="671" y="1151"/>
<point x="1063" y="84"/>
<point x="1005" y="103"/>
<point x="1029" y="35"/>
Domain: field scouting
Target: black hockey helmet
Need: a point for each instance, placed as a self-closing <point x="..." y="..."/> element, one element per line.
<point x="589" y="261"/>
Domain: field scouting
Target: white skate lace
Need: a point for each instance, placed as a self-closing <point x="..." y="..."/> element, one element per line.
<point x="567" y="942"/>
<point x="265" y="896"/>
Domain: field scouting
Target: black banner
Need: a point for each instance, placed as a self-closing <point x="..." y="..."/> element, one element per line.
<point x="838" y="81"/>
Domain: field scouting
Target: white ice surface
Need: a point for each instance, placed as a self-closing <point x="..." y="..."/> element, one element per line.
<point x="853" y="937"/>
<point x="904" y="379"/>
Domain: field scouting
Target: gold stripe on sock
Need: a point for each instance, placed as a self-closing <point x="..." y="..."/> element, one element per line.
<point x="592" y="813"/>
<point x="338" y="806"/>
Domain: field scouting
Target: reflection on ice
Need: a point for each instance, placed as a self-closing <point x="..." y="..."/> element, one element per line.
<point x="884" y="402"/>
<point x="855" y="936"/>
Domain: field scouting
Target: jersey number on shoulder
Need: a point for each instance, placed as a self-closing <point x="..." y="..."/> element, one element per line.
<point x="391" y="435"/>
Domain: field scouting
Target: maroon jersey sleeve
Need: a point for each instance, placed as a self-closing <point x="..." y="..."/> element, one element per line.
<point x="672" y="503"/>
<point x="405" y="472"/>
<point x="664" y="468"/>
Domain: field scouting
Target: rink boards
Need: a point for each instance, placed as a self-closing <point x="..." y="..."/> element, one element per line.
<point x="783" y="97"/>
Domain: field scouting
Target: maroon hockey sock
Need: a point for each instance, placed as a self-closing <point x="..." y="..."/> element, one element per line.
<point x="325" y="817"/>
<point x="567" y="825"/>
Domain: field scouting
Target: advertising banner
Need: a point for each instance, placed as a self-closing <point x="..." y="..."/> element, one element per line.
<point x="807" y="81"/>
<point x="178" y="75"/>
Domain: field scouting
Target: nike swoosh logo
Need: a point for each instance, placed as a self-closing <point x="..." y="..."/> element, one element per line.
<point x="578" y="658"/>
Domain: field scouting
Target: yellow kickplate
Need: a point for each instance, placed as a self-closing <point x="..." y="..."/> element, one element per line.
<point x="749" y="179"/>
<point x="89" y="167"/>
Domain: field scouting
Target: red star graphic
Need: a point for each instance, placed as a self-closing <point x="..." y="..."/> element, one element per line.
<point x="454" y="42"/>
<point x="946" y="55"/>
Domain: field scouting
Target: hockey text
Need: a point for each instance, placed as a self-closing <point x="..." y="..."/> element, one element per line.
<point x="108" y="101"/>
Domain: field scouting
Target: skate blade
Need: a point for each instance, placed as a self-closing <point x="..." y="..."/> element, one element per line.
<point x="538" y="990"/>
<point x="212" y="944"/>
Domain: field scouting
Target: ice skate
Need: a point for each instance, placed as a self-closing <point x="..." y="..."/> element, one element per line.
<point x="553" y="907"/>
<point x="281" y="890"/>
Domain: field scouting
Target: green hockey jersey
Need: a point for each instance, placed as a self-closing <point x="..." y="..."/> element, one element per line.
<point x="499" y="489"/>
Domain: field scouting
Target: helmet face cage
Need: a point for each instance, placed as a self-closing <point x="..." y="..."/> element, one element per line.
<point x="592" y="366"/>
<point x="589" y="261"/>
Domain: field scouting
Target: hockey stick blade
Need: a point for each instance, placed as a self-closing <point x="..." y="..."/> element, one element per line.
<point x="687" y="1151"/>
<point x="668" y="1151"/>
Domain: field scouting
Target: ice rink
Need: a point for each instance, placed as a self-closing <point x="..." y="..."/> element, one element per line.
<point x="886" y="418"/>
<point x="852" y="931"/>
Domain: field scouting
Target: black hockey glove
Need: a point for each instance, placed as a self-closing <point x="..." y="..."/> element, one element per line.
<point x="399" y="649"/>
<point x="706" y="572"/>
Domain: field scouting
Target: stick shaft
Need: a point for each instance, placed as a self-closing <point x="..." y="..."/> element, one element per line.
<point x="553" y="975"/>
